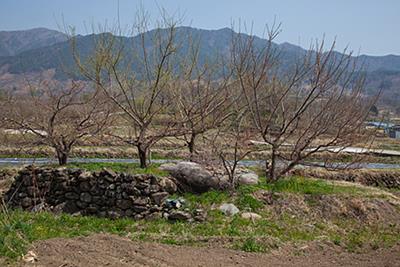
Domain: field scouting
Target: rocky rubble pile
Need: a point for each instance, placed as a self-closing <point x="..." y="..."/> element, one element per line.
<point x="102" y="193"/>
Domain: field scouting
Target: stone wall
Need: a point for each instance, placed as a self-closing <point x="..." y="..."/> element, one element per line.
<point x="103" y="193"/>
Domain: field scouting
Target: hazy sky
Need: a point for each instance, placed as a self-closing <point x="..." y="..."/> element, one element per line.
<point x="369" y="26"/>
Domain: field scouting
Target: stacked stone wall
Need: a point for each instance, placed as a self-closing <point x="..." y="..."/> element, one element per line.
<point x="102" y="193"/>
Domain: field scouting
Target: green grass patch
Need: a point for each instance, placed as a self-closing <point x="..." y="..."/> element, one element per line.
<point x="302" y="185"/>
<point x="251" y="245"/>
<point x="18" y="229"/>
<point x="207" y="198"/>
<point x="248" y="202"/>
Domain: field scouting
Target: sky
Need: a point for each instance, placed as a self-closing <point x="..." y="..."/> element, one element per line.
<point x="369" y="27"/>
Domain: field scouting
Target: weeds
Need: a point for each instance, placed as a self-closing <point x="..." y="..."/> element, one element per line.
<point x="251" y="245"/>
<point x="18" y="229"/>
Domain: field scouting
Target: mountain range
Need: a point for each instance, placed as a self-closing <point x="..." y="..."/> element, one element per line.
<point x="41" y="50"/>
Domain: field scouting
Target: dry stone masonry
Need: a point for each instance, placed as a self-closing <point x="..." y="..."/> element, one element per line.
<point x="102" y="193"/>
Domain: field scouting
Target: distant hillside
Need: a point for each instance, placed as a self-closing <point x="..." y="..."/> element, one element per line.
<point x="15" y="42"/>
<point x="58" y="56"/>
<point x="39" y="50"/>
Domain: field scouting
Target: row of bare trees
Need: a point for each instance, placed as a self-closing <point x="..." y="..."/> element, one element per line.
<point x="57" y="114"/>
<point x="142" y="92"/>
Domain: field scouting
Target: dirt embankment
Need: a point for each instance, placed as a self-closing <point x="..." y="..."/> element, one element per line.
<point x="377" y="178"/>
<point x="109" y="250"/>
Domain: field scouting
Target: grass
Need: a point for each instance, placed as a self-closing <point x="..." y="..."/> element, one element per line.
<point x="305" y="186"/>
<point x="251" y="245"/>
<point x="18" y="229"/>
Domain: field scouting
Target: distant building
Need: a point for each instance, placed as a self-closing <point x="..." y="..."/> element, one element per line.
<point x="385" y="126"/>
<point x="394" y="132"/>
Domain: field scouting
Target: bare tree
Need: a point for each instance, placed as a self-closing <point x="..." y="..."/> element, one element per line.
<point x="58" y="114"/>
<point x="137" y="76"/>
<point x="231" y="143"/>
<point x="203" y="100"/>
<point x="301" y="110"/>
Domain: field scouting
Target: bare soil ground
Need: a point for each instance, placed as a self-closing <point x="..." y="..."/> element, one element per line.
<point x="110" y="250"/>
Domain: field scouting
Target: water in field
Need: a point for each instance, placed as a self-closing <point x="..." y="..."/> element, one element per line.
<point x="248" y="163"/>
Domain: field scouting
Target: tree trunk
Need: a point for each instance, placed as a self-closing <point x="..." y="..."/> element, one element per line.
<point x="142" y="152"/>
<point x="62" y="157"/>
<point x="270" y="171"/>
<point x="191" y="145"/>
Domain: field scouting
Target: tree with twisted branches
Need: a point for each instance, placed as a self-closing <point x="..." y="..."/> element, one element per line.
<point x="298" y="111"/>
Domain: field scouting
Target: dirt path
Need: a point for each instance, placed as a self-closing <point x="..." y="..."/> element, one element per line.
<point x="109" y="250"/>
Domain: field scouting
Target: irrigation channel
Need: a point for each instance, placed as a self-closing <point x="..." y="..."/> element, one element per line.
<point x="9" y="162"/>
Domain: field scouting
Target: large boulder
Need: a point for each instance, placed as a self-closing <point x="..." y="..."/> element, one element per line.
<point x="192" y="177"/>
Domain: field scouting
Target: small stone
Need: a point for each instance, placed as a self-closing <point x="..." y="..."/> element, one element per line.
<point x="108" y="174"/>
<point x="62" y="186"/>
<point x="39" y="207"/>
<point x="92" y="209"/>
<point x="251" y="216"/>
<point x="127" y="187"/>
<point x="123" y="204"/>
<point x="68" y="207"/>
<point x="27" y="180"/>
<point x="97" y="200"/>
<point x="26" y="202"/>
<point x="30" y="257"/>
<point x="128" y="212"/>
<point x="77" y="214"/>
<point x="22" y="195"/>
<point x="159" y="197"/>
<point x="142" y="201"/>
<point x="128" y="178"/>
<point x="228" y="209"/>
<point x="114" y="214"/>
<point x="178" y="215"/>
<point x="86" y="197"/>
<point x="81" y="204"/>
<point x="84" y="186"/>
<point x="248" y="178"/>
<point x="154" y="216"/>
<point x="142" y="185"/>
<point x="32" y="191"/>
<point x="154" y="188"/>
<point x="200" y="215"/>
<point x="84" y="176"/>
<point x="167" y="185"/>
<point x="139" y="208"/>
<point x="155" y="208"/>
<point x="138" y="217"/>
<point x="71" y="195"/>
<point x="110" y="194"/>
